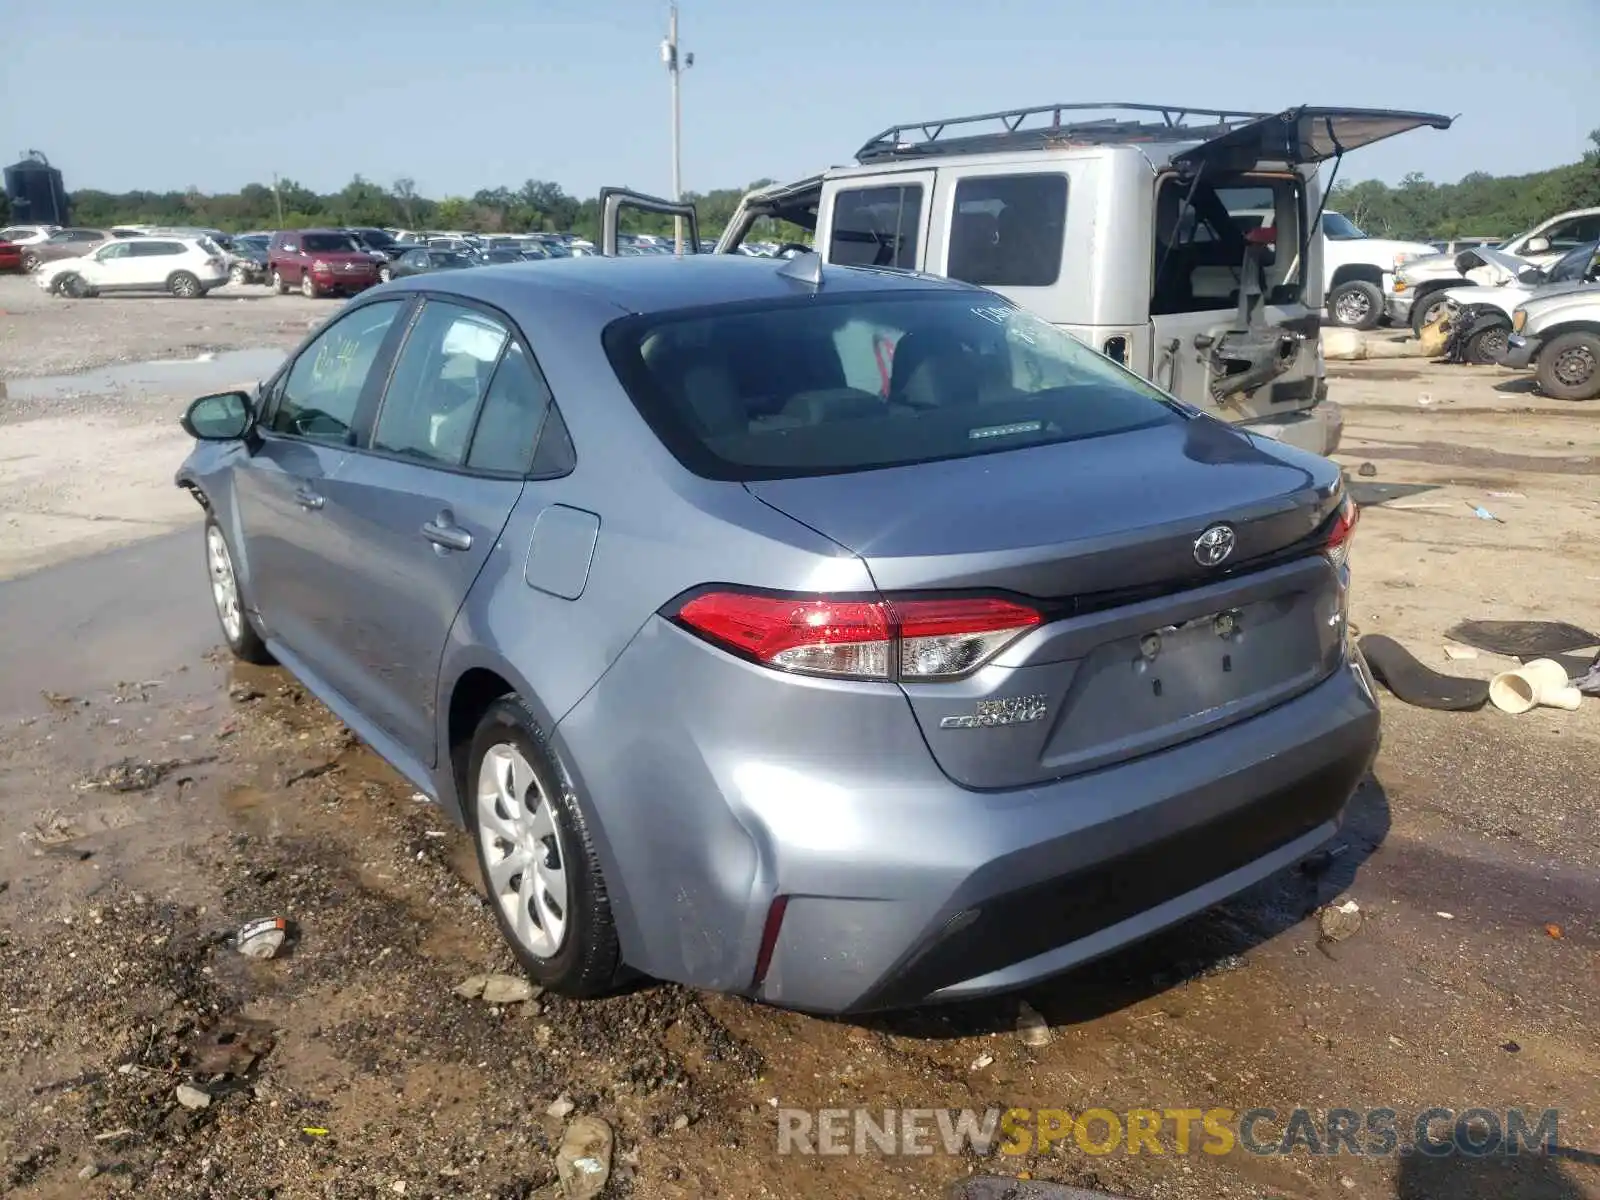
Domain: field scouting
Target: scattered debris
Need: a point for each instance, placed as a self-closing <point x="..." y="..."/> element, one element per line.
<point x="497" y="989"/>
<point x="1403" y="674"/>
<point x="113" y="1135"/>
<point x="243" y="692"/>
<point x="1508" y="495"/>
<point x="232" y="1046"/>
<point x="1482" y="513"/>
<point x="1542" y="681"/>
<point x="261" y="938"/>
<point x="315" y="1131"/>
<point x="68" y="1085"/>
<point x="192" y="1098"/>
<point x="1033" y="1029"/>
<point x="1554" y="930"/>
<point x="1510" y="1047"/>
<point x="1444" y="916"/>
<point x="1523" y="639"/>
<point x="57" y="701"/>
<point x="131" y="775"/>
<point x="680" y="1122"/>
<point x="1366" y="470"/>
<point x="982" y="1061"/>
<point x="561" y="1108"/>
<point x="583" y="1162"/>
<point x="1322" y="861"/>
<point x="1337" y="922"/>
<point x="1457" y="653"/>
<point x="89" y="1171"/>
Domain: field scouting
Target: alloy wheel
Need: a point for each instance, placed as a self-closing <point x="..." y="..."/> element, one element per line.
<point x="525" y="862"/>
<point x="1352" y="308"/>
<point x="224" y="584"/>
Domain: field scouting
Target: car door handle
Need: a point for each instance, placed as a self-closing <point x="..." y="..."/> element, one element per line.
<point x="307" y="499"/>
<point x="447" y="536"/>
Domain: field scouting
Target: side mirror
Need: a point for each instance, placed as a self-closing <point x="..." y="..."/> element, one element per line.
<point x="225" y="417"/>
<point x="1538" y="245"/>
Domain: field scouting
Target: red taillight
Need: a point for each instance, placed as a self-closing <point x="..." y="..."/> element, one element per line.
<point x="1344" y="526"/>
<point x="860" y="639"/>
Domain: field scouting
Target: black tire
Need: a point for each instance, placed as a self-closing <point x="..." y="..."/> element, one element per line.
<point x="279" y="287"/>
<point x="243" y="640"/>
<point x="185" y="286"/>
<point x="308" y="286"/>
<point x="586" y="960"/>
<point x="73" y="286"/>
<point x="1488" y="346"/>
<point x="30" y="263"/>
<point x="1569" y="367"/>
<point x="1356" y="305"/>
<point x="1426" y="310"/>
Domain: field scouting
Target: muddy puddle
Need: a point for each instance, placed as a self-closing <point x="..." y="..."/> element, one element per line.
<point x="211" y="371"/>
<point x="146" y="822"/>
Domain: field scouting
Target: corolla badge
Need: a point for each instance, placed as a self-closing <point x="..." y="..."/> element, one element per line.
<point x="1214" y="545"/>
<point x="1012" y="710"/>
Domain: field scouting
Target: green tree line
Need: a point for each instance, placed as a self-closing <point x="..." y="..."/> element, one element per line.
<point x="536" y="206"/>
<point x="1479" y="205"/>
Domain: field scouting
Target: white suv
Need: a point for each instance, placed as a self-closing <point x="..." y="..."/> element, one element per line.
<point x="187" y="267"/>
<point x="26" y="235"/>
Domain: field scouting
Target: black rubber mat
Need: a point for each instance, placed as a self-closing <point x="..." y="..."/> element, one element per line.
<point x="1523" y="639"/>
<point x="1398" y="670"/>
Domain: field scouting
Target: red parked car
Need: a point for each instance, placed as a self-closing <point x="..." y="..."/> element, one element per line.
<point x="320" y="262"/>
<point x="10" y="256"/>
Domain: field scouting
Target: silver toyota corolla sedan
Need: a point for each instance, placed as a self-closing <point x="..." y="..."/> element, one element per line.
<point x="848" y="643"/>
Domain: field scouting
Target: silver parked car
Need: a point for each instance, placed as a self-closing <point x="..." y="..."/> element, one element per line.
<point x="842" y="637"/>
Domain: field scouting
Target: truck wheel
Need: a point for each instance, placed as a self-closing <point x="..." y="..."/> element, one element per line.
<point x="1356" y="305"/>
<point x="1426" y="311"/>
<point x="1488" y="346"/>
<point x="1569" y="367"/>
<point x="279" y="287"/>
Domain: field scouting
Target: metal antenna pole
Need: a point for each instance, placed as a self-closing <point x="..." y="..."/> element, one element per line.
<point x="675" y="69"/>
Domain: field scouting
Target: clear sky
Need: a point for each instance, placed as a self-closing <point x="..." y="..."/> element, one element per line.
<point x="164" y="94"/>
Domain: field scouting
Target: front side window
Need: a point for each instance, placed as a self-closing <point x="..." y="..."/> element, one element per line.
<point x="819" y="385"/>
<point x="877" y="227"/>
<point x="319" y="397"/>
<point x="1568" y="234"/>
<point x="1008" y="230"/>
<point x="440" y="376"/>
<point x="115" y="250"/>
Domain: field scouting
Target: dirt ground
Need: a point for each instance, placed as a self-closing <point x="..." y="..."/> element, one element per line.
<point x="153" y="796"/>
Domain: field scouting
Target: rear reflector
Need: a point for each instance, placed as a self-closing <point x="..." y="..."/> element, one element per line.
<point x="859" y="639"/>
<point x="1344" y="527"/>
<point x="769" y="939"/>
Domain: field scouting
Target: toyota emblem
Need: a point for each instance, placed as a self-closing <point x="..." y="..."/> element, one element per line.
<point x="1214" y="545"/>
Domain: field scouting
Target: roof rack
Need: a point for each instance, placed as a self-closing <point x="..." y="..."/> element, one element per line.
<point x="1174" y="124"/>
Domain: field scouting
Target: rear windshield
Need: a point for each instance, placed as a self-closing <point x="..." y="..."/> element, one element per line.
<point x="819" y="385"/>
<point x="329" y="243"/>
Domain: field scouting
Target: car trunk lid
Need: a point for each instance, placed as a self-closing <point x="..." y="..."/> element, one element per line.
<point x="1142" y="646"/>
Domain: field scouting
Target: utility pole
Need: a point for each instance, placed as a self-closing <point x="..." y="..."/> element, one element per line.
<point x="675" y="68"/>
<point x="277" y="199"/>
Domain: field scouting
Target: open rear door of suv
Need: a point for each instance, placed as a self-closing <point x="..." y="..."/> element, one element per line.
<point x="1236" y="300"/>
<point x="613" y="200"/>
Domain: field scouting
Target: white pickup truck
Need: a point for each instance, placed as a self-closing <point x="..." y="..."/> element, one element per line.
<point x="1358" y="271"/>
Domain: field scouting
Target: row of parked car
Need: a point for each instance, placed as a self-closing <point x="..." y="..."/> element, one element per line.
<point x="189" y="262"/>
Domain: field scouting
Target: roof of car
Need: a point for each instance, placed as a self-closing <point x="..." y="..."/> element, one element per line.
<point x="658" y="282"/>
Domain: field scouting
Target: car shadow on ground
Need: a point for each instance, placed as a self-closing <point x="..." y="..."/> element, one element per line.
<point x="1214" y="941"/>
<point x="1520" y="385"/>
<point x="1368" y="495"/>
<point x="1524" y="1176"/>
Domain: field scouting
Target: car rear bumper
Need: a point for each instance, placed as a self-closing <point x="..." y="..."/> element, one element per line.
<point x="716" y="793"/>
<point x="1317" y="429"/>
<point x="1520" y="351"/>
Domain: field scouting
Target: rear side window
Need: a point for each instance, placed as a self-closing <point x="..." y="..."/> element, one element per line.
<point x="439" y="379"/>
<point x="819" y="385"/>
<point x="876" y="227"/>
<point x="1008" y="230"/>
<point x="513" y="413"/>
<point x="156" y="249"/>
